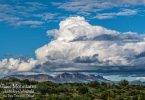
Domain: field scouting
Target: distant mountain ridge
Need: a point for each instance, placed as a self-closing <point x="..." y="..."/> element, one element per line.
<point x="65" y="77"/>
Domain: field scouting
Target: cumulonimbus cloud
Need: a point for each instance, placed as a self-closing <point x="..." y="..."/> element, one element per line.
<point x="78" y="42"/>
<point x="78" y="45"/>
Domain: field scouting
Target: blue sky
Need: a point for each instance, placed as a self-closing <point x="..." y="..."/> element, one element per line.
<point x="23" y="23"/>
<point x="72" y="35"/>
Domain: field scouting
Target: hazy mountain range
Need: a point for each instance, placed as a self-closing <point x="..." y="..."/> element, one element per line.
<point x="65" y="77"/>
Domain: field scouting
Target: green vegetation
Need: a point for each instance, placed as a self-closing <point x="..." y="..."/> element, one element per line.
<point x="80" y="91"/>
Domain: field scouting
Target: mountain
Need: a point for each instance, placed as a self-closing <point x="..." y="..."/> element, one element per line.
<point x="137" y="82"/>
<point x="37" y="77"/>
<point x="65" y="77"/>
<point x="78" y="77"/>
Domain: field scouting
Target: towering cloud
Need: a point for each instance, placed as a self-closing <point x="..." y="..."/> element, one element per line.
<point x="73" y="40"/>
<point x="78" y="45"/>
<point x="79" y="42"/>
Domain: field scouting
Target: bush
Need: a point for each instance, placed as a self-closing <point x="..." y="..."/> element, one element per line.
<point x="94" y="84"/>
<point x="82" y="90"/>
<point x="123" y="83"/>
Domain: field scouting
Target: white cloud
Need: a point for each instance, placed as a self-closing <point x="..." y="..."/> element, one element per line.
<point x="127" y="12"/>
<point x="85" y="6"/>
<point x="45" y="16"/>
<point x="77" y="41"/>
<point x="29" y="22"/>
<point x="140" y="78"/>
<point x="80" y="45"/>
<point x="14" y="65"/>
<point x="25" y="13"/>
<point x="76" y="27"/>
<point x="124" y="12"/>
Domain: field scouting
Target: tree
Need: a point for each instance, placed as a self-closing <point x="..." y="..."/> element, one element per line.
<point x="43" y="88"/>
<point x="123" y="83"/>
<point x="1" y="96"/>
<point x="139" y="98"/>
<point x="109" y="98"/>
<point x="26" y="81"/>
<point x="82" y="90"/>
<point x="94" y="84"/>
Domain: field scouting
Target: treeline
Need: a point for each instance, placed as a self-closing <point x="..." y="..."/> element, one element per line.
<point x="81" y="91"/>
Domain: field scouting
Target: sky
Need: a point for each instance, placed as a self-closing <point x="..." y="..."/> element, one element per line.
<point x="23" y="24"/>
<point x="38" y="33"/>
